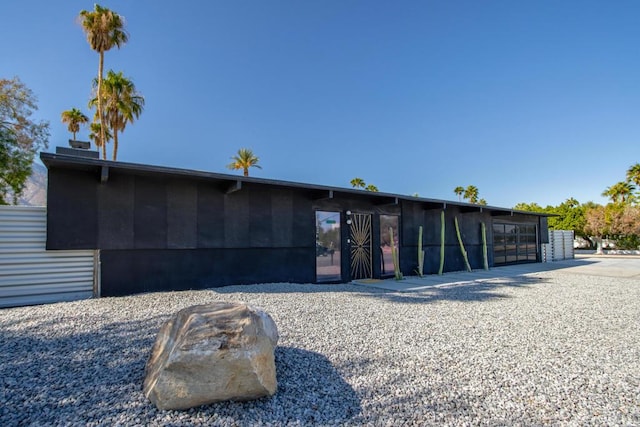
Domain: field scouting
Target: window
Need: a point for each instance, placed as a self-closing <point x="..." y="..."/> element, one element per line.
<point x="328" y="240"/>
<point x="386" y="260"/>
<point x="514" y="243"/>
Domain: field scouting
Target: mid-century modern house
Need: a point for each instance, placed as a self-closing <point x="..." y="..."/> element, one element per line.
<point x="159" y="228"/>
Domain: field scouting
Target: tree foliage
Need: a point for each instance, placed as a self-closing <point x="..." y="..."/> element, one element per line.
<point x="104" y="29"/>
<point x="20" y="138"/>
<point x="459" y="191"/>
<point x="244" y="160"/>
<point x="568" y="215"/>
<point x="121" y="101"/>
<point x="619" y="219"/>
<point x="96" y="137"/>
<point x="360" y="183"/>
<point x="633" y="174"/>
<point x="620" y="192"/>
<point x="74" y="118"/>
<point x="471" y="194"/>
<point x="529" y="207"/>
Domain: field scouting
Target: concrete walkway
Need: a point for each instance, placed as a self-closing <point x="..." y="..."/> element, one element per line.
<point x="620" y="266"/>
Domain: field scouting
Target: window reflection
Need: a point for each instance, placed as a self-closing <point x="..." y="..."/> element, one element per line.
<point x="386" y="222"/>
<point x="514" y="243"/>
<point x="327" y="246"/>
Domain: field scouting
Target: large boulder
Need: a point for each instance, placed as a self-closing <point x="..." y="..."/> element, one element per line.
<point x="210" y="353"/>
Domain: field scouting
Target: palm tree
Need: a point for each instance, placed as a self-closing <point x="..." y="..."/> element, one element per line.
<point x="104" y="29"/>
<point x="633" y="174"/>
<point x="459" y="191"/>
<point x="482" y="202"/>
<point x="244" y="160"/>
<point x="358" y="183"/>
<point x="571" y="202"/>
<point x="74" y="118"/>
<point x="372" y="187"/>
<point x="96" y="137"/>
<point x="471" y="193"/>
<point x="121" y="103"/>
<point x="619" y="192"/>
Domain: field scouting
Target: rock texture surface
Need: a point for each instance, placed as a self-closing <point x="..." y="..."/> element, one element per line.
<point x="556" y="348"/>
<point x="210" y="353"/>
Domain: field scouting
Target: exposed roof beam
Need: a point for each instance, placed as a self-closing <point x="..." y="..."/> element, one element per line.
<point x="434" y="205"/>
<point x="104" y="174"/>
<point x="390" y="201"/>
<point x="236" y="186"/>
<point x="470" y="209"/>
<point x="323" y="195"/>
<point x="502" y="213"/>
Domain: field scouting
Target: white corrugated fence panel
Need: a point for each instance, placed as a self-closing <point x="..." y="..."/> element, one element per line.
<point x="568" y="244"/>
<point x="560" y="245"/>
<point x="547" y="252"/>
<point x="29" y="274"/>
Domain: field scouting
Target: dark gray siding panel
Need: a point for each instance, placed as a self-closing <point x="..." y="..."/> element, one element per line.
<point x="116" y="212"/>
<point x="211" y="218"/>
<point x="182" y="215"/>
<point x="260" y="229"/>
<point x="412" y="219"/>
<point x="304" y="228"/>
<point x="72" y="218"/>
<point x="544" y="230"/>
<point x="282" y="217"/>
<point x="237" y="216"/>
<point x="150" y="213"/>
<point x="134" y="271"/>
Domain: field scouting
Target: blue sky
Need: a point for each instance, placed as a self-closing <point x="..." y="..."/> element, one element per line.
<point x="530" y="101"/>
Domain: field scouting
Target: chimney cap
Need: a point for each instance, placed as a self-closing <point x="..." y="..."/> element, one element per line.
<point x="82" y="145"/>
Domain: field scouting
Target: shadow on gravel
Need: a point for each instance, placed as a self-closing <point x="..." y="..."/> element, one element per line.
<point x="310" y="392"/>
<point x="466" y="291"/>
<point x="57" y="375"/>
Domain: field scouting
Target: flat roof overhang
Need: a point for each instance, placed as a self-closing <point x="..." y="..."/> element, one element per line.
<point x="233" y="183"/>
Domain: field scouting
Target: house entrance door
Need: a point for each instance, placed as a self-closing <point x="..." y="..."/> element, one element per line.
<point x="360" y="237"/>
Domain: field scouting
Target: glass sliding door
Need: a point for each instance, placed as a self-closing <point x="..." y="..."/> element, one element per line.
<point x="328" y="240"/>
<point x="386" y="260"/>
<point x="514" y="243"/>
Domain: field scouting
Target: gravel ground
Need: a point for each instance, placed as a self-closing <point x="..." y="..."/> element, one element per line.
<point x="546" y="349"/>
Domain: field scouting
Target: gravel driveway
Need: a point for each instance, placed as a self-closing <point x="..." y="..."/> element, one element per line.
<point x="546" y="348"/>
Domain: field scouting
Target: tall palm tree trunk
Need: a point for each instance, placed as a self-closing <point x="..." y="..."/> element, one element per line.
<point x="115" y="144"/>
<point x="100" y="112"/>
<point x="246" y="171"/>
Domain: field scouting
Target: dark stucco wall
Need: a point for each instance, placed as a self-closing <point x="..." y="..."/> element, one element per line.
<point x="159" y="233"/>
<point x="142" y="270"/>
<point x="139" y="212"/>
<point x="160" y="230"/>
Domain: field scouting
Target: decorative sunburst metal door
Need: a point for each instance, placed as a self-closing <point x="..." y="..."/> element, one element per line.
<point x="360" y="234"/>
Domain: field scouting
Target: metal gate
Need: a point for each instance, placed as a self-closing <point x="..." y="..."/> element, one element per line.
<point x="360" y="235"/>
<point x="29" y="274"/>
